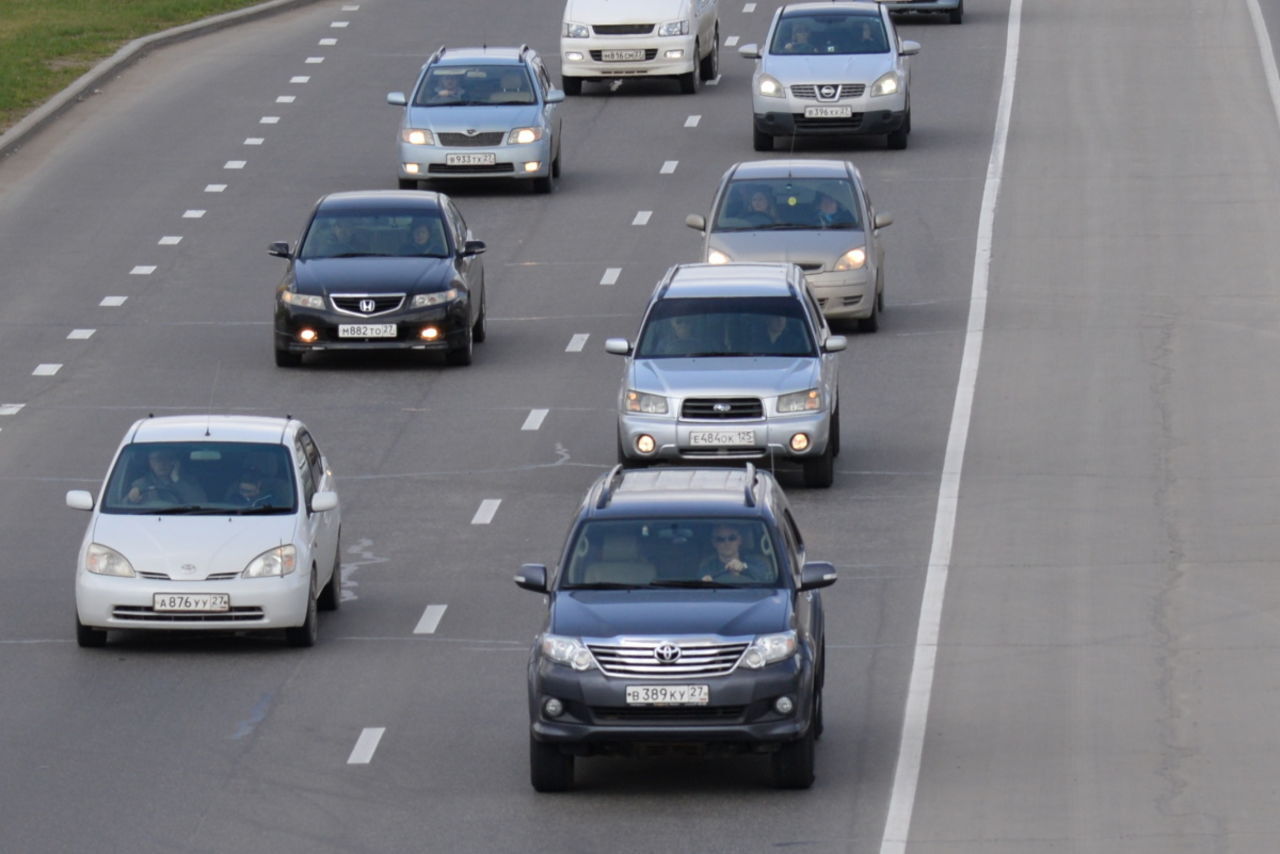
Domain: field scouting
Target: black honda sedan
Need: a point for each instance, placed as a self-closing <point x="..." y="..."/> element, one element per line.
<point x="381" y="270"/>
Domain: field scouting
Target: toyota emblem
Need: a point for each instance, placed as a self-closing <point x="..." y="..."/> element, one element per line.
<point x="368" y="306"/>
<point x="667" y="653"/>
<point x="828" y="91"/>
<point x="471" y="132"/>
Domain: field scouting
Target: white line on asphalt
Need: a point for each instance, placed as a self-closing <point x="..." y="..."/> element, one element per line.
<point x="80" y="334"/>
<point x="171" y="240"/>
<point x="234" y="164"/>
<point x="534" y="419"/>
<point x="577" y="342"/>
<point x="366" y="744"/>
<point x="642" y="218"/>
<point x="611" y="275"/>
<point x="47" y="369"/>
<point x="143" y="270"/>
<point x="338" y="25"/>
<point x="669" y="167"/>
<point x="920" y="688"/>
<point x="485" y="513"/>
<point x="193" y="213"/>
<point x="351" y="8"/>
<point x="11" y="408"/>
<point x="748" y="8"/>
<point x="692" y="121"/>
<point x="731" y="41"/>
<point x="214" y="188"/>
<point x="254" y="140"/>
<point x="269" y="120"/>
<point x="301" y="78"/>
<point x="430" y="620"/>
<point x="286" y="99"/>
<point x="714" y="81"/>
<point x="1268" y="55"/>
<point x="327" y="42"/>
<point x="112" y="302"/>
<point x="314" y="60"/>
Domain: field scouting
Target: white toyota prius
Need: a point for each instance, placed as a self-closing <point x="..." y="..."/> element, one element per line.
<point x="216" y="522"/>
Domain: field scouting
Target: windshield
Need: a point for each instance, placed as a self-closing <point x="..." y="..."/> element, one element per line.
<point x="469" y="85"/>
<point x="787" y="204"/>
<point x="679" y="552"/>
<point x="828" y="33"/>
<point x="725" y="326"/>
<point x="236" y="478"/>
<point x="357" y="235"/>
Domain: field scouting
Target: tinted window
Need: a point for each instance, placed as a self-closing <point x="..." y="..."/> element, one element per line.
<point x="192" y="477"/>
<point x="737" y="326"/>
<point x="354" y="234"/>
<point x="787" y="203"/>
<point x="826" y="33"/>
<point x="463" y="85"/>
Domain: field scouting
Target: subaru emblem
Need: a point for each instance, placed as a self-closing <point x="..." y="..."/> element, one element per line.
<point x="667" y="653"/>
<point x="721" y="407"/>
<point x="368" y="306"/>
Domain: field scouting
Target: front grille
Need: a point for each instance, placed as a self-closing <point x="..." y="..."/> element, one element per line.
<point x="649" y="714"/>
<point x="844" y="302"/>
<point x="355" y="303"/>
<point x="696" y="659"/>
<point x="622" y="29"/>
<point x="852" y="123"/>
<point x="445" y="169"/>
<point x="810" y="91"/>
<point x="713" y="408"/>
<point x="164" y="576"/>
<point x="810" y="268"/>
<point x="139" y="612"/>
<point x="649" y="54"/>
<point x="462" y="140"/>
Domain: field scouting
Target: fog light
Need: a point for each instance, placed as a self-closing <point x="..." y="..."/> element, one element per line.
<point x="800" y="442"/>
<point x="674" y="54"/>
<point x="533" y="166"/>
<point x="553" y="708"/>
<point x="411" y="168"/>
<point x="645" y="443"/>
<point x="573" y="56"/>
<point x="429" y="333"/>
<point x="307" y="336"/>
<point x="784" y="705"/>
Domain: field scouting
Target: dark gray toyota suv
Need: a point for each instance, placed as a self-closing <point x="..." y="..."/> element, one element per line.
<point x="682" y="614"/>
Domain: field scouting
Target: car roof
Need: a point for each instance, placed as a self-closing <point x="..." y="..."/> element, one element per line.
<point x="681" y="491"/>
<point x="212" y="428"/>
<point x="496" y="55"/>
<point x="869" y="7"/>
<point x="388" y="199"/>
<point x="791" y="168"/>
<point x="728" y="280"/>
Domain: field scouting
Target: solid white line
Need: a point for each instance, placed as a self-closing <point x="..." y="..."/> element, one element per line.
<point x="366" y="744"/>
<point x="534" y="420"/>
<point x="1268" y="55"/>
<point x="194" y="213"/>
<point x="731" y="41"/>
<point x="11" y="408"/>
<point x="430" y="620"/>
<point x="171" y="240"/>
<point x="143" y="270"/>
<point x="47" y="369"/>
<point x="80" y="334"/>
<point x="642" y="218"/>
<point x="906" y="778"/>
<point x="214" y="188"/>
<point x="301" y="78"/>
<point x="611" y="275"/>
<point x="669" y="167"/>
<point x="112" y="302"/>
<point x="487" y="510"/>
<point x="577" y="342"/>
<point x="692" y="121"/>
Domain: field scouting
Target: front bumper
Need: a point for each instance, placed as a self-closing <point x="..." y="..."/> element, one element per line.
<point x="773" y="437"/>
<point x="659" y="60"/>
<point x="423" y="162"/>
<point x="843" y="296"/>
<point x="108" y="602"/>
<point x="783" y="123"/>
<point x="450" y="320"/>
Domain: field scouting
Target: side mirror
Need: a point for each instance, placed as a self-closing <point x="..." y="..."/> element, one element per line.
<point x="749" y="51"/>
<point x="397" y="99"/>
<point x="817" y="573"/>
<point x="474" y="247"/>
<point x="697" y="222"/>
<point x="280" y="249"/>
<point x="80" y="499"/>
<point x="532" y="576"/>
<point x="322" y="501"/>
<point x="909" y="47"/>
<point x="554" y="96"/>
<point x="617" y="346"/>
<point x="883" y="219"/>
<point x="834" y="344"/>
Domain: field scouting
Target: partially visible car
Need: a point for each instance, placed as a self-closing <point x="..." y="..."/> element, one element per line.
<point x="381" y="270"/>
<point x="953" y="9"/>
<point x="614" y="39"/>
<point x="818" y="215"/>
<point x="829" y="69"/>
<point x="176" y="540"/>
<point x="732" y="363"/>
<point x="480" y="112"/>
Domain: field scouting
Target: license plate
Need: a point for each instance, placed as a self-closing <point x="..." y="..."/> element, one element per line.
<point x="366" y="330"/>
<point x="722" y="438"/>
<point x="668" y="695"/>
<point x="621" y="55"/>
<point x="474" y="158"/>
<point x="191" y="602"/>
<point x="828" y="112"/>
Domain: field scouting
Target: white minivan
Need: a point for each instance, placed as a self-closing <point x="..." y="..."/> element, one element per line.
<point x="607" y="39"/>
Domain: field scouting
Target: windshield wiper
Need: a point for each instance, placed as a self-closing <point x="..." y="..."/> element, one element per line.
<point x="187" y="510"/>
<point x="680" y="582"/>
<point x="360" y="255"/>
<point x="256" y="511"/>
<point x="604" y="585"/>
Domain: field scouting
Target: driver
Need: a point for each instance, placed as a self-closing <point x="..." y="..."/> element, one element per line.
<point x="164" y="482"/>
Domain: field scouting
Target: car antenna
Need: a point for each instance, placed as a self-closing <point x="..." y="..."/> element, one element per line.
<point x="208" y="418"/>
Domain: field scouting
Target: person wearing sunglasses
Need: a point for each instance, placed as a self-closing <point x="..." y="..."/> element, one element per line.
<point x="728" y="565"/>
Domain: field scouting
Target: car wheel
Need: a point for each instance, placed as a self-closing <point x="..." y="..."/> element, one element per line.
<point x="461" y="356"/>
<point x="956" y="14"/>
<point x="550" y="770"/>
<point x="544" y="185"/>
<point x="689" y="82"/>
<point x="286" y="359"/>
<point x="761" y="140"/>
<point x="871" y="322"/>
<point x="478" y="331"/>
<point x="897" y="140"/>
<point x="307" y="633"/>
<point x="571" y="85"/>
<point x="89" y="637"/>
<point x="710" y="65"/>
<point x="819" y="726"/>
<point x="408" y="183"/>
<point x="331" y="595"/>
<point x="819" y="473"/>
<point x="834" y="432"/>
<point x="793" y="762"/>
<point x="555" y="166"/>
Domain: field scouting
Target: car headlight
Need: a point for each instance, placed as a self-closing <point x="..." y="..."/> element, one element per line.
<point x="279" y="561"/>
<point x="417" y="136"/>
<point x="101" y="560"/>
<point x="854" y="259"/>
<point x="809" y="400"/>
<point x="575" y="31"/>
<point x="674" y="28"/>
<point x="887" y="84"/>
<point x="302" y="300"/>
<point x="523" y="136"/>
<point x="769" y="86"/>
<point x="715" y="256"/>
<point x="769" y="649"/>
<point x="437" y="298"/>
<point x="570" y="652"/>
<point x="649" y="404"/>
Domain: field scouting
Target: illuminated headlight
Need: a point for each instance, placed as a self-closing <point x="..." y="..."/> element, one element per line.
<point x="801" y="401"/>
<point x="770" y="87"/>
<point x="715" y="256"/>
<point x="678" y="53"/>
<point x="769" y="649"/>
<point x="575" y="31"/>
<point x="274" y="562"/>
<point x="886" y="85"/>
<point x="417" y="136"/>
<point x="438" y="298"/>
<point x="524" y="136"/>
<point x="674" y="28"/>
<point x="301" y="300"/>
<point x="649" y="404"/>
<point x="570" y="652"/>
<point x="854" y="259"/>
<point x="101" y="560"/>
<point x="574" y="56"/>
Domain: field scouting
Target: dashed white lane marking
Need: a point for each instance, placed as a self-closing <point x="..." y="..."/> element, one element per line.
<point x="487" y="510"/>
<point x="338" y="25"/>
<point x="534" y="420"/>
<point x="642" y="218"/>
<point x="80" y="334"/>
<point x="234" y="164"/>
<point x="327" y="42"/>
<point x="692" y="121"/>
<point x="748" y="8"/>
<point x="112" y="302"/>
<point x="269" y="120"/>
<point x="11" y="408"/>
<point x="47" y="369"/>
<point x="351" y="8"/>
<point x="577" y="342"/>
<point x="669" y="167"/>
<point x="171" y="240"/>
<point x="731" y="41"/>
<point x="314" y="60"/>
<point x="214" y="188"/>
<point x="714" y="81"/>
<point x="143" y="270"/>
<point x="301" y="78"/>
<point x="254" y="140"/>
<point x="366" y="744"/>
<point x="430" y="620"/>
<point x="193" y="213"/>
<point x="286" y="99"/>
<point x="611" y="275"/>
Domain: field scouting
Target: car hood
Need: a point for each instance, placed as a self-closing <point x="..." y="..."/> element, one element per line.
<point x="373" y="275"/>
<point x="192" y="547"/>
<point x="807" y="247"/>
<point x="729" y="376"/>
<point x="483" y="118"/>
<point x="821" y="68"/>
<point x="646" y="613"/>
<point x="624" y="11"/>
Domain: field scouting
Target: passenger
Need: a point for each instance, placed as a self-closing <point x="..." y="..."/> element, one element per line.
<point x="422" y="241"/>
<point x="760" y="210"/>
<point x="164" y="482"/>
<point x="832" y="214"/>
<point x="251" y="490"/>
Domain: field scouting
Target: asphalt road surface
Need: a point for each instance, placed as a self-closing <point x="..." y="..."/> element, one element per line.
<point x="1106" y="670"/>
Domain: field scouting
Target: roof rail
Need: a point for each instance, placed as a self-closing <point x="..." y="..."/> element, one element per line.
<point x="524" y="48"/>
<point x="751" y="485"/>
<point x="439" y="53"/>
<point x="610" y="484"/>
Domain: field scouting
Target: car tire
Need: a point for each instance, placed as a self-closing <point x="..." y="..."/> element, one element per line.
<point x="306" y="634"/>
<point x="793" y="762"/>
<point x="571" y="85"/>
<point x="760" y="140"/>
<point x="409" y="183"/>
<point x="331" y="595"/>
<point x="689" y="82"/>
<point x="287" y="359"/>
<point x="478" y="331"/>
<point x="555" y="166"/>
<point x="819" y="725"/>
<point x="897" y="140"/>
<point x="88" y="637"/>
<point x="709" y="67"/>
<point x="871" y="322"/>
<point x="461" y="356"/>
<point x="819" y="472"/>
<point x="550" y="769"/>
<point x="542" y="186"/>
<point x="834" y="432"/>
<point x="956" y="14"/>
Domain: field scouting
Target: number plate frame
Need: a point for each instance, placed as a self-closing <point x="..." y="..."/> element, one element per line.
<point x="828" y="112"/>
<point x="472" y="158"/>
<point x="668" y="695"/>
<point x="622" y="55"/>
<point x="366" y="330"/>
<point x="722" y="438"/>
<point x="196" y="603"/>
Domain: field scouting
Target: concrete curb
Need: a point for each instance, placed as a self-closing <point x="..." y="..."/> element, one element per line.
<point x="94" y="78"/>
